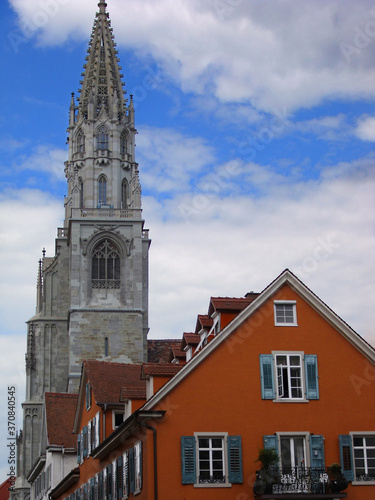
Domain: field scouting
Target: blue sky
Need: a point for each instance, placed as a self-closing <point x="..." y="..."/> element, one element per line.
<point x="256" y="131"/>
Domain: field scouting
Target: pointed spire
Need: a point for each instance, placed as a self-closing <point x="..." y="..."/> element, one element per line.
<point x="102" y="81"/>
<point x="102" y="6"/>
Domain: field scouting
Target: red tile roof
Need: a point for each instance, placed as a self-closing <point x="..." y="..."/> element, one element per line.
<point x="203" y="321"/>
<point x="176" y="352"/>
<point x="158" y="351"/>
<point x="132" y="393"/>
<point x="60" y="412"/>
<point x="4" y="489"/>
<point x="190" y="339"/>
<point x="230" y="303"/>
<point x="161" y="369"/>
<point x="108" y="379"/>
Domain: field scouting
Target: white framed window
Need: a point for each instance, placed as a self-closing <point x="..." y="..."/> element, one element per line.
<point x="285" y="312"/>
<point x="293" y="451"/>
<point x="364" y="457"/>
<point x="137" y="467"/>
<point x="211" y="460"/>
<point x="289" y="370"/>
<point x="117" y="418"/>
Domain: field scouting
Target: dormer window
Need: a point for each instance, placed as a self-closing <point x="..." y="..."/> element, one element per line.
<point x="102" y="138"/>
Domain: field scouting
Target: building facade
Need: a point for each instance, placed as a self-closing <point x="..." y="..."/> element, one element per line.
<point x="92" y="295"/>
<point x="284" y="374"/>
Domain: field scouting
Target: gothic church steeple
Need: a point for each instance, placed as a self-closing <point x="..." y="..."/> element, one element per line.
<point x="92" y="295"/>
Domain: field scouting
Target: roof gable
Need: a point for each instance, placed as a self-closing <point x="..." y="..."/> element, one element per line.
<point x="286" y="277"/>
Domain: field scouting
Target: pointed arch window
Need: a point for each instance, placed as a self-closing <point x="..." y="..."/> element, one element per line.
<point x="106" y="266"/>
<point x="124" y="194"/>
<point x="123" y="143"/>
<point x="102" y="186"/>
<point x="102" y="138"/>
<point x="80" y="142"/>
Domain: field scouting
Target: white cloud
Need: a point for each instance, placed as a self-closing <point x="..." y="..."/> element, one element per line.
<point x="45" y="158"/>
<point x="366" y="129"/>
<point x="229" y="245"/>
<point x="293" y="54"/>
<point x="169" y="158"/>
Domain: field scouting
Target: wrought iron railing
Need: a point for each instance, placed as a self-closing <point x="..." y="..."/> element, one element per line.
<point x="298" y="480"/>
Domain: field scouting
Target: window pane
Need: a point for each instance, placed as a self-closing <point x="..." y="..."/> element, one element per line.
<point x="203" y="443"/>
<point x="370" y="441"/>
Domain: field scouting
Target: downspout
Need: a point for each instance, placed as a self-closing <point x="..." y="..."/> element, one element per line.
<point x="155" y="458"/>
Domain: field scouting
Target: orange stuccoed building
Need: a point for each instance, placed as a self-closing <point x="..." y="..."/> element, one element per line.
<point x="275" y="376"/>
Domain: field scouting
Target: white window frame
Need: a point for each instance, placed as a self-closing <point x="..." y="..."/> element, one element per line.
<point x="301" y="355"/>
<point x="292" y="303"/>
<point x="116" y="412"/>
<point x="213" y="435"/>
<point x="137" y="467"/>
<point x="306" y="438"/>
<point x="360" y="434"/>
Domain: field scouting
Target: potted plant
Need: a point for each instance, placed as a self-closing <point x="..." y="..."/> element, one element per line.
<point x="267" y="474"/>
<point x="337" y="480"/>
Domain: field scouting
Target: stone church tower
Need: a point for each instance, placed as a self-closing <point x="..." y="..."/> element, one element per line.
<point x="92" y="296"/>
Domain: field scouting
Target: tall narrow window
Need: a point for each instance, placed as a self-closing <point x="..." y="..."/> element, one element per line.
<point x="102" y="138"/>
<point x="102" y="198"/>
<point x="106" y="347"/>
<point x="80" y="193"/>
<point x="80" y="142"/>
<point x="124" y="194"/>
<point x="106" y="266"/>
<point x="123" y="143"/>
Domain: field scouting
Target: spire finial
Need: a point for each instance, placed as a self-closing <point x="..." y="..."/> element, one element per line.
<point x="102" y="5"/>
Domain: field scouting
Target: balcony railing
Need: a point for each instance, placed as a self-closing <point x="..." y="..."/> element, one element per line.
<point x="298" y="480"/>
<point x="106" y="213"/>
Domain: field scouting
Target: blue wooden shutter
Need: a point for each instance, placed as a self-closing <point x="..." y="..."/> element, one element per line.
<point x="92" y="484"/>
<point x="109" y="482"/>
<point x="271" y="443"/>
<point x="101" y="485"/>
<point x="131" y="470"/>
<point x="189" y="473"/>
<point x="234" y="459"/>
<point x="120" y="477"/>
<point x="317" y="451"/>
<point x="84" y="438"/>
<point x="267" y="380"/>
<point x="311" y="372"/>
<point x="346" y="456"/>
<point x="79" y="444"/>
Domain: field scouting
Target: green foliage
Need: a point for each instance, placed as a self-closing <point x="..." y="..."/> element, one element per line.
<point x="267" y="458"/>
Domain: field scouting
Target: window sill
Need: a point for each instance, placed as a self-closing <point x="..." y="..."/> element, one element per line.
<point x="213" y="485"/>
<point x="290" y="400"/>
<point x="286" y="324"/>
<point x="363" y="483"/>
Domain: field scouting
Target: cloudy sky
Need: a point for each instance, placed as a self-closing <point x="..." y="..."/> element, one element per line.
<point x="256" y="134"/>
